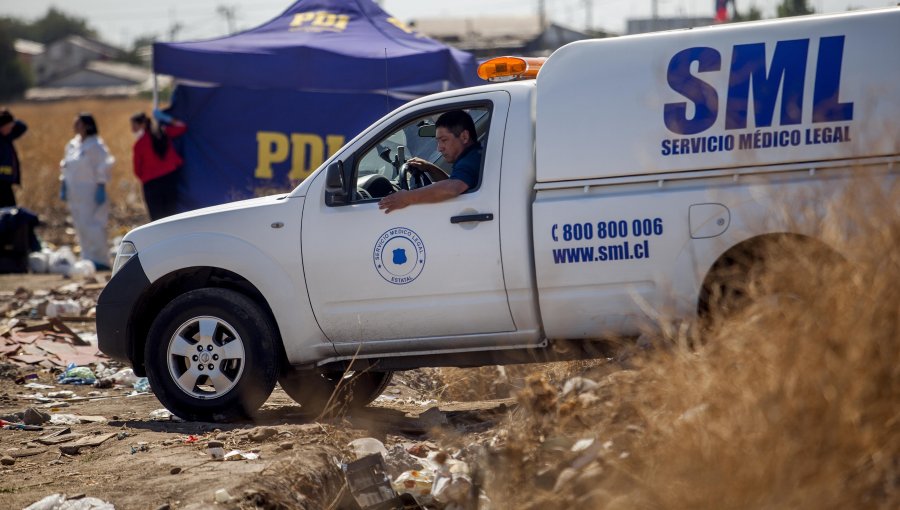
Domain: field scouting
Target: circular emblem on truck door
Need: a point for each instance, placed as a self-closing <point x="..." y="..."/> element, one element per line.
<point x="399" y="255"/>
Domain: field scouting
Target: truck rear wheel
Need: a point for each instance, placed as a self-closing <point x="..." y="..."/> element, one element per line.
<point x="319" y="392"/>
<point x="211" y="355"/>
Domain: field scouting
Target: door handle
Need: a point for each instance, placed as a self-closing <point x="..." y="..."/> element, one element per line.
<point x="471" y="217"/>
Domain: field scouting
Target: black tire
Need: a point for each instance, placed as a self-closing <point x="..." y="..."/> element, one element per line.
<point x="782" y="270"/>
<point x="318" y="392"/>
<point x="225" y="377"/>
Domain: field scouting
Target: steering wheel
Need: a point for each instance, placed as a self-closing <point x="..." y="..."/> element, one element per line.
<point x="418" y="179"/>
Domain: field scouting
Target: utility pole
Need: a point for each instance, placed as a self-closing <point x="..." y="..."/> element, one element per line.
<point x="589" y="15"/>
<point x="228" y="12"/>
<point x="542" y="13"/>
<point x="654" y="8"/>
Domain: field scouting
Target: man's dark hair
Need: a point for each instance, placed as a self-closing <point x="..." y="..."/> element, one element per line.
<point x="90" y="125"/>
<point x="457" y="121"/>
<point x="5" y="117"/>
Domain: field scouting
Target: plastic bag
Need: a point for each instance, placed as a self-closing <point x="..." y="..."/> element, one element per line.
<point x="67" y="307"/>
<point x="83" y="269"/>
<point x="62" y="260"/>
<point x="77" y="375"/>
<point x="416" y="483"/>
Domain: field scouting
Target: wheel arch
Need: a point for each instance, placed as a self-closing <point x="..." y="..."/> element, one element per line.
<point x="171" y="285"/>
<point x="754" y="251"/>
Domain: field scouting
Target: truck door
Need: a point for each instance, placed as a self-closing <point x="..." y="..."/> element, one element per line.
<point x="428" y="270"/>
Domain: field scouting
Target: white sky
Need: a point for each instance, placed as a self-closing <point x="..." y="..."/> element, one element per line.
<point x="121" y="21"/>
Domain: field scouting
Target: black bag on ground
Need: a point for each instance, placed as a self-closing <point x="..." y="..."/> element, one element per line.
<point x="17" y="239"/>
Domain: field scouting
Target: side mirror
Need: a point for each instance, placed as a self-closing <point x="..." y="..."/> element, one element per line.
<point x="336" y="192"/>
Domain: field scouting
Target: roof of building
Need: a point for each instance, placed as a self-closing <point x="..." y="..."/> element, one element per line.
<point x="93" y="45"/>
<point x="500" y="32"/>
<point x="27" y="47"/>
<point x="120" y="70"/>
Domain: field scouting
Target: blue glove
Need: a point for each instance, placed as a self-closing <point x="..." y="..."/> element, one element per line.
<point x="161" y="116"/>
<point x="100" y="194"/>
<point x="62" y="191"/>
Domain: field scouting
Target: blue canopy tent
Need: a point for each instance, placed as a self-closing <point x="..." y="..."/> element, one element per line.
<point x="266" y="106"/>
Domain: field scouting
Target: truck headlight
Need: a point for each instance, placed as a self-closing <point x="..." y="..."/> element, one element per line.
<point x="126" y="251"/>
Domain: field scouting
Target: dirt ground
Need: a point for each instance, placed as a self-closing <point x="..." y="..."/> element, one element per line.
<point x="147" y="463"/>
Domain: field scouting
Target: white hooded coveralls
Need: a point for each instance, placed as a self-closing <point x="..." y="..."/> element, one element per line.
<point x="86" y="164"/>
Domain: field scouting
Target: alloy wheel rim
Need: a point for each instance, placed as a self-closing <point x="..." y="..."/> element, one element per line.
<point x="205" y="357"/>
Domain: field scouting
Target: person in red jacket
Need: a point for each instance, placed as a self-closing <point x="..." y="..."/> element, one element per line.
<point x="156" y="163"/>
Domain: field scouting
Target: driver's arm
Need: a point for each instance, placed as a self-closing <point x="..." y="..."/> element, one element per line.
<point x="437" y="192"/>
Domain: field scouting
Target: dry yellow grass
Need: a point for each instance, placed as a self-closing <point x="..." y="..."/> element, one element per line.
<point x="792" y="402"/>
<point x="41" y="148"/>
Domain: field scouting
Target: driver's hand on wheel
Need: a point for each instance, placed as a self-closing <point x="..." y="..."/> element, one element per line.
<point x="417" y="162"/>
<point x="396" y="200"/>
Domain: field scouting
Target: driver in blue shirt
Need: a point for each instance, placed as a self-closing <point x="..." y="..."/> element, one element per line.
<point x="458" y="143"/>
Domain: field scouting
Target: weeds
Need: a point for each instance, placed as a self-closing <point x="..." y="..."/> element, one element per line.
<point x="789" y="400"/>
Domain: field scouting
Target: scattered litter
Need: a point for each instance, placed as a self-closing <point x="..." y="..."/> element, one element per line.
<point x="60" y="502"/>
<point x="85" y="442"/>
<point x="422" y="449"/>
<point x="222" y="496"/>
<point x="452" y="484"/>
<point x="82" y="269"/>
<point x="579" y="385"/>
<point x="125" y="377"/>
<point x="47" y="345"/>
<point x="62" y="307"/>
<point x="399" y="460"/>
<point x="61" y="261"/>
<point x="142" y="385"/>
<point x="416" y="483"/>
<point x="61" y="394"/>
<point x="139" y="447"/>
<point x="64" y="419"/>
<point x="18" y="426"/>
<point x="239" y="455"/>
<point x="76" y="375"/>
<point x="33" y="416"/>
<point x="22" y="379"/>
<point x="216" y="450"/>
<point x="368" y="446"/>
<point x="582" y="444"/>
<point x="39" y="386"/>
<point x="161" y="415"/>
<point x="369" y="482"/>
<point x="39" y="261"/>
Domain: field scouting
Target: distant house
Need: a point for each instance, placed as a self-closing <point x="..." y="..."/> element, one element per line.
<point x="101" y="74"/>
<point x="27" y="50"/>
<point x="643" y="26"/>
<point x="77" y="66"/>
<point x="66" y="55"/>
<point x="488" y="36"/>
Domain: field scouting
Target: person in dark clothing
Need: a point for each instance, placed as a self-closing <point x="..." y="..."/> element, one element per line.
<point x="10" y="171"/>
<point x="156" y="163"/>
<point x="458" y="144"/>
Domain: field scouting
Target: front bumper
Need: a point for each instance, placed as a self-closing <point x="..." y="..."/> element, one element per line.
<point x="115" y="309"/>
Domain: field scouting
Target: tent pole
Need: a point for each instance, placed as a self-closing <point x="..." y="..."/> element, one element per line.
<point x="155" y="92"/>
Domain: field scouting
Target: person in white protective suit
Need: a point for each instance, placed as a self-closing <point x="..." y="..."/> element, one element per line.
<point x="85" y="171"/>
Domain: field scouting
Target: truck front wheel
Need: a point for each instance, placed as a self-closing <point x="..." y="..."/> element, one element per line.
<point x="211" y="355"/>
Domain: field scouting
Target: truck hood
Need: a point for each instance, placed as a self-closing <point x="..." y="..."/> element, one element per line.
<point x="234" y="218"/>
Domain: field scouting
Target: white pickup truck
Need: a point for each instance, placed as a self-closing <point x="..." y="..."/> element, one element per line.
<point x="614" y="183"/>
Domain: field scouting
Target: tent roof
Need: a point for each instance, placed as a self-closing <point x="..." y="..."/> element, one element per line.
<point x="333" y="45"/>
